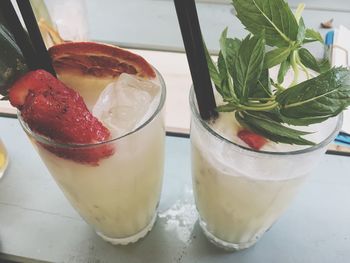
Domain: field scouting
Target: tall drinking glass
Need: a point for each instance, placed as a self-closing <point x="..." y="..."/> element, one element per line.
<point x="240" y="192"/>
<point x="119" y="195"/>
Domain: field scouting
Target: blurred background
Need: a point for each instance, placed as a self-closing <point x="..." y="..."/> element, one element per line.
<point x="153" y="24"/>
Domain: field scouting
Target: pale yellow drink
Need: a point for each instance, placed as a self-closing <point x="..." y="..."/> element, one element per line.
<point x="118" y="196"/>
<point x="240" y="192"/>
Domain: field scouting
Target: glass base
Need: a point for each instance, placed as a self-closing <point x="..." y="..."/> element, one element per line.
<point x="130" y="239"/>
<point x="224" y="244"/>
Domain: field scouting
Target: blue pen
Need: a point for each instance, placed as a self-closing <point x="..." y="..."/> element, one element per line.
<point x="329" y="45"/>
<point x="329" y="38"/>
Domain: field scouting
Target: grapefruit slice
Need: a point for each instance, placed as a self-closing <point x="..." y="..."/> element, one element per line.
<point x="88" y="67"/>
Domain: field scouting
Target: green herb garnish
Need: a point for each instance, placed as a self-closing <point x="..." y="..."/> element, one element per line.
<point x="263" y="105"/>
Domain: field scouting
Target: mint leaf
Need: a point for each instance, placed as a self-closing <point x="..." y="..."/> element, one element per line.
<point x="324" y="65"/>
<point x="262" y="124"/>
<point x="272" y="16"/>
<point x="213" y="70"/>
<point x="227" y="56"/>
<point x="263" y="86"/>
<point x="284" y="67"/>
<point x="311" y="62"/>
<point x="222" y="41"/>
<point x="312" y="36"/>
<point x="248" y="66"/>
<point x="308" y="59"/>
<point x="274" y="115"/>
<point x="278" y="117"/>
<point x="276" y="56"/>
<point x="321" y="97"/>
<point x="218" y="74"/>
<point x="232" y="47"/>
<point x="226" y="85"/>
<point x="304" y="121"/>
<point x="229" y="49"/>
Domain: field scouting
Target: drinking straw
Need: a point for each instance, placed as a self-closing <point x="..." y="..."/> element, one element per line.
<point x="35" y="36"/>
<point x="19" y="34"/>
<point x="193" y="42"/>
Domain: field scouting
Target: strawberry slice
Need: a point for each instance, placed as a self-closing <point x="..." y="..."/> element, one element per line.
<point x="32" y="81"/>
<point x="255" y="141"/>
<point x="55" y="111"/>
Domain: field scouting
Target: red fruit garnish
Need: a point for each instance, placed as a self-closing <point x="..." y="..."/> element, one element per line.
<point x="98" y="60"/>
<point x="31" y="81"/>
<point x="52" y="109"/>
<point x="255" y="141"/>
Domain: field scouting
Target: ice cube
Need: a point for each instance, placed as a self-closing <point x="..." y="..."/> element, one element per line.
<point x="123" y="104"/>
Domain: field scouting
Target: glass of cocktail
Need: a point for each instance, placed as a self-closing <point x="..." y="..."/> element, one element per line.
<point x="276" y="109"/>
<point x="114" y="183"/>
<point x="240" y="192"/>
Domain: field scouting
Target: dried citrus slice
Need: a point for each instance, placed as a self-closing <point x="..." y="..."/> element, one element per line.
<point x="99" y="60"/>
<point x="88" y="67"/>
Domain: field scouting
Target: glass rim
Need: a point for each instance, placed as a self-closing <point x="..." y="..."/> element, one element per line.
<point x="323" y="143"/>
<point x="50" y="142"/>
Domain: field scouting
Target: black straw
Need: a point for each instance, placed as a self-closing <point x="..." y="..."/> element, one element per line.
<point x="35" y="36"/>
<point x="192" y="37"/>
<point x="19" y="34"/>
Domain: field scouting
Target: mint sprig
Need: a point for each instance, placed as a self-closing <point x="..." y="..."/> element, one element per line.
<point x="274" y="17"/>
<point x="265" y="106"/>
